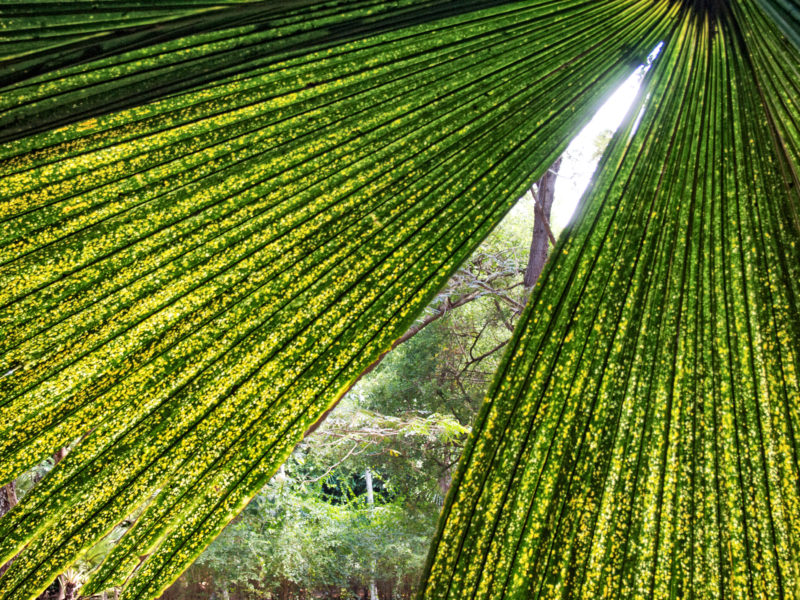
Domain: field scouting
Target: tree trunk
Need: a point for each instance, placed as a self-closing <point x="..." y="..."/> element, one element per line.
<point x="59" y="455"/>
<point x="284" y="589"/>
<point x="445" y="481"/>
<point x="8" y="500"/>
<point x="542" y="235"/>
<point x="8" y="497"/>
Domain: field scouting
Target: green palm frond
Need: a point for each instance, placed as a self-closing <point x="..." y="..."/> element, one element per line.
<point x="215" y="217"/>
<point x="786" y="14"/>
<point x="640" y="441"/>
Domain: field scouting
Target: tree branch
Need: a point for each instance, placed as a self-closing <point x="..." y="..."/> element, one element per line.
<point x="414" y="330"/>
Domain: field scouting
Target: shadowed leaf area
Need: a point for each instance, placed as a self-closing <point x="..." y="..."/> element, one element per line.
<point x="215" y="216"/>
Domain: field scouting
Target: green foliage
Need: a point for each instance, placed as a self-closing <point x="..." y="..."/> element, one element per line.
<point x="289" y="532"/>
<point x="312" y="528"/>
<point x="440" y="369"/>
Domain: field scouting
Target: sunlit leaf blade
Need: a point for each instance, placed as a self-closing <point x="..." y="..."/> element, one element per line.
<point x="640" y="439"/>
<point x="135" y="61"/>
<point x="41" y="36"/>
<point x="188" y="284"/>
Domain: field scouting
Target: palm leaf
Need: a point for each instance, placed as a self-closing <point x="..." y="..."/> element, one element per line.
<point x="639" y="441"/>
<point x="214" y="218"/>
<point x="786" y="14"/>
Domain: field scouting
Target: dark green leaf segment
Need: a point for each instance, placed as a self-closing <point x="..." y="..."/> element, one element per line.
<point x="641" y="439"/>
<point x="214" y="216"/>
<point x="786" y="14"/>
<point x="210" y="225"/>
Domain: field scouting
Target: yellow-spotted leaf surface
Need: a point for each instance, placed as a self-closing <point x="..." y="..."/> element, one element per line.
<point x="641" y="438"/>
<point x="215" y="215"/>
<point x="210" y="229"/>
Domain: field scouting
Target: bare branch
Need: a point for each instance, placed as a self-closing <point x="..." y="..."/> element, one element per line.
<point x="545" y="221"/>
<point x="332" y="467"/>
<point x="487" y="354"/>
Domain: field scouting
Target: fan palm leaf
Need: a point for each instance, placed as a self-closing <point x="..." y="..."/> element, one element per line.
<point x="215" y="216"/>
<point x="640" y="441"/>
